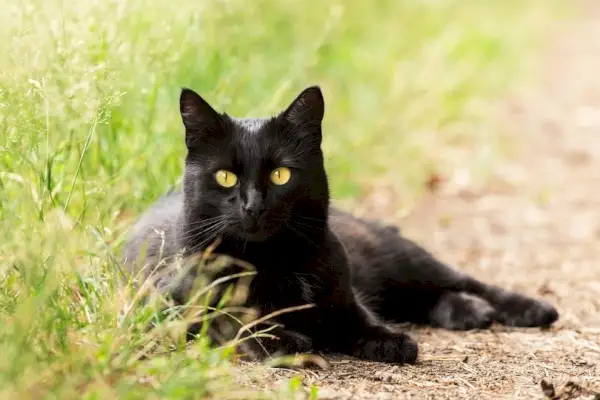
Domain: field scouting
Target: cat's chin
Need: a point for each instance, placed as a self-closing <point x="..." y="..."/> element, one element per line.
<point x="256" y="236"/>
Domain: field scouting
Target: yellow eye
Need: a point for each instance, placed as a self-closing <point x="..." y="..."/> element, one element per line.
<point x="225" y="178"/>
<point x="281" y="175"/>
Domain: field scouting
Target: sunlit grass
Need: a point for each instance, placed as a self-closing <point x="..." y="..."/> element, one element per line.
<point x="90" y="134"/>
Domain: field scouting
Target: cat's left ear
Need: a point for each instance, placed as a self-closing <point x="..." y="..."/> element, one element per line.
<point x="307" y="110"/>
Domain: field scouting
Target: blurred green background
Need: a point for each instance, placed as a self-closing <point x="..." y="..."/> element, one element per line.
<point x="90" y="135"/>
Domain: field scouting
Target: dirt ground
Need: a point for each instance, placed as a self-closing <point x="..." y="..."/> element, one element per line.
<point x="535" y="227"/>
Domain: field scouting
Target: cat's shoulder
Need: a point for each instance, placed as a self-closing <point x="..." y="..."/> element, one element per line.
<point x="166" y="209"/>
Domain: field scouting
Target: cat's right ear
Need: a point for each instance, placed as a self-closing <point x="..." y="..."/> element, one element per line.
<point x="201" y="121"/>
<point x="307" y="109"/>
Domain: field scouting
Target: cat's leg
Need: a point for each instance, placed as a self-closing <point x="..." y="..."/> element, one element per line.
<point x="258" y="343"/>
<point x="262" y="342"/>
<point x="513" y="308"/>
<point x="276" y="343"/>
<point x="348" y="325"/>
<point x="377" y="343"/>
<point x="406" y="283"/>
<point x="473" y="296"/>
<point x="461" y="311"/>
<point x="358" y="332"/>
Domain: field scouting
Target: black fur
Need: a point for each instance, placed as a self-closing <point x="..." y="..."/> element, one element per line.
<point x="358" y="273"/>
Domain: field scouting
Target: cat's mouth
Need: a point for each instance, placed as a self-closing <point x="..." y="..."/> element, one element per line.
<point x="250" y="224"/>
<point x="258" y="229"/>
<point x="254" y="235"/>
<point x="252" y="230"/>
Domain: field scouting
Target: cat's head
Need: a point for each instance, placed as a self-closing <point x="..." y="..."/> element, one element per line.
<point x="257" y="177"/>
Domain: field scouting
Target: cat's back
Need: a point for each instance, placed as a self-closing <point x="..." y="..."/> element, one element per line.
<point x="354" y="231"/>
<point x="365" y="241"/>
<point x="153" y="235"/>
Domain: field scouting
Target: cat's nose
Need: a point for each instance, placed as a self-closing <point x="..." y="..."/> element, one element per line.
<point x="253" y="212"/>
<point x="254" y="205"/>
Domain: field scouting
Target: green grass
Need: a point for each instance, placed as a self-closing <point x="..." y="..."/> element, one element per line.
<point x="90" y="135"/>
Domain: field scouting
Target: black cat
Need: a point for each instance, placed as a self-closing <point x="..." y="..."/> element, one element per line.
<point x="260" y="185"/>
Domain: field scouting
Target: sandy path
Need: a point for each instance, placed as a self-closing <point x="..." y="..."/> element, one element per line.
<point x="534" y="227"/>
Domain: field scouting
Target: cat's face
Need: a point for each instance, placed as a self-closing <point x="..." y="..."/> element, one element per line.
<point x="256" y="177"/>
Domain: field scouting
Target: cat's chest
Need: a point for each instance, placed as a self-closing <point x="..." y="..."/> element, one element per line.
<point x="271" y="292"/>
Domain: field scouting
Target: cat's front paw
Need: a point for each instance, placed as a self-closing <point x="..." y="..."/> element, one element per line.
<point x="519" y="310"/>
<point x="284" y="343"/>
<point x="388" y="347"/>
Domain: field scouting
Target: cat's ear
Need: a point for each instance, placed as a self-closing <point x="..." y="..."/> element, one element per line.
<point x="201" y="121"/>
<point x="307" y="110"/>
